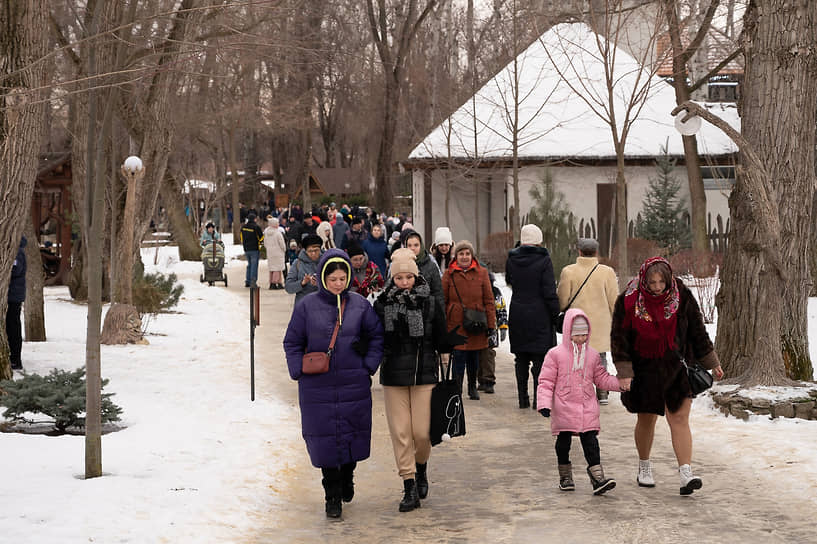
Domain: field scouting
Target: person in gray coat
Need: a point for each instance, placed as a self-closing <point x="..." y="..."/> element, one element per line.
<point x="303" y="273"/>
<point x="339" y="230"/>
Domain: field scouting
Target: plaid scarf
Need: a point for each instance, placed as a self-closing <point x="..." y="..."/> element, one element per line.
<point x="405" y="302"/>
<point x="653" y="317"/>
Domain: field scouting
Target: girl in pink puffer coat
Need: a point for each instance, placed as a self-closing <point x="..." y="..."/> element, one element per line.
<point x="566" y="388"/>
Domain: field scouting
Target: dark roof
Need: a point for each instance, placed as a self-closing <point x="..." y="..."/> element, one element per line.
<point x="342" y="181"/>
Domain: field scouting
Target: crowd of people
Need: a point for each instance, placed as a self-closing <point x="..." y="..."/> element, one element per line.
<point x="386" y="301"/>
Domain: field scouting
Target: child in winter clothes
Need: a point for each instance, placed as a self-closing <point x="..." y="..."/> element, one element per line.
<point x="566" y="388"/>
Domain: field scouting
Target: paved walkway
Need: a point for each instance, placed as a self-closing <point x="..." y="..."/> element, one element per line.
<point x="499" y="483"/>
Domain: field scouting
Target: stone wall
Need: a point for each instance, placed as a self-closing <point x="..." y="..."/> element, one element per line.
<point x="732" y="403"/>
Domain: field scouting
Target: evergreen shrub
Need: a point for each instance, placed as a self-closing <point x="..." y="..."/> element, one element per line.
<point x="154" y="293"/>
<point x="60" y="395"/>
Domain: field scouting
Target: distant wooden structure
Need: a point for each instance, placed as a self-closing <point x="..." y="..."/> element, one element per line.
<point x="52" y="212"/>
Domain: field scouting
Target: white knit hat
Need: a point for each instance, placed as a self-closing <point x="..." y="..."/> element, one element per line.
<point x="580" y="326"/>
<point x="443" y="236"/>
<point x="531" y="235"/>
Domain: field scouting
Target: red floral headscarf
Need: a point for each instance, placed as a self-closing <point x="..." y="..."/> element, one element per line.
<point x="652" y="316"/>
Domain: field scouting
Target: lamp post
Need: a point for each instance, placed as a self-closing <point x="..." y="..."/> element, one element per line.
<point x="133" y="171"/>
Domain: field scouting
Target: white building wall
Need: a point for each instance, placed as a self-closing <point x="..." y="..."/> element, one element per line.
<point x="578" y="185"/>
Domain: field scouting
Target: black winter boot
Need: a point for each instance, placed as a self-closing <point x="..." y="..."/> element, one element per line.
<point x="459" y="377"/>
<point x="522" y="384"/>
<point x="411" y="499"/>
<point x="347" y="473"/>
<point x="473" y="394"/>
<point x="600" y="483"/>
<point x="332" y="488"/>
<point x="422" y="480"/>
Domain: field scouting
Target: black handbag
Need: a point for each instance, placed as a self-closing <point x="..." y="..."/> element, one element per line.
<point x="447" y="415"/>
<point x="559" y="322"/>
<point x="699" y="378"/>
<point x="473" y="321"/>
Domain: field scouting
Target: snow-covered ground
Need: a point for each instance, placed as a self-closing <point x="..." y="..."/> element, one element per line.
<point x="759" y="442"/>
<point x="195" y="459"/>
<point x="194" y="452"/>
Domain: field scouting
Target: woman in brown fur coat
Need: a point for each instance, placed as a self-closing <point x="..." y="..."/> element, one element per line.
<point x="656" y="325"/>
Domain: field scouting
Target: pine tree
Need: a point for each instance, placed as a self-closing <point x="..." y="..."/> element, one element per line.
<point x="663" y="214"/>
<point x="551" y="214"/>
<point x="60" y="395"/>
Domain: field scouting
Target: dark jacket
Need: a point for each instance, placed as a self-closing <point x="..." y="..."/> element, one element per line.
<point x="691" y="338"/>
<point x="336" y="407"/>
<point x="406" y="360"/>
<point x="17" y="285"/>
<point x="534" y="304"/>
<point x="470" y="288"/>
<point x="251" y="236"/>
<point x="661" y="382"/>
<point x="377" y="249"/>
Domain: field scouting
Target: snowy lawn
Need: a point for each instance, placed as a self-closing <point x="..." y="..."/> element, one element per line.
<point x="194" y="452"/>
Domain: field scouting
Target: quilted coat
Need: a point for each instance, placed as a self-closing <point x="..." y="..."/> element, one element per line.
<point x="336" y="407"/>
<point x="534" y="304"/>
<point x="568" y="393"/>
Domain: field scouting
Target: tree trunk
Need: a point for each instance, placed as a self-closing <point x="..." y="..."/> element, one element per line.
<point x="23" y="73"/>
<point x="35" y="313"/>
<point x="757" y="344"/>
<point x="624" y="271"/>
<point x="385" y="179"/>
<point x="697" y="194"/>
<point x="189" y="249"/>
<point x="235" y="188"/>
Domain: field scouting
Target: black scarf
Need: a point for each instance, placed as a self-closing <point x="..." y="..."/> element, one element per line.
<point x="409" y="303"/>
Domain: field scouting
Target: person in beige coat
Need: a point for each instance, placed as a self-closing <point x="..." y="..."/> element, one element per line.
<point x="276" y="253"/>
<point x="596" y="299"/>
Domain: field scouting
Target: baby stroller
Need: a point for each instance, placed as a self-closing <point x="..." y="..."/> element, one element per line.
<point x="212" y="255"/>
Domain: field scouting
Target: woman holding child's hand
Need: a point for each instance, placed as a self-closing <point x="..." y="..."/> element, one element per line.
<point x="657" y="325"/>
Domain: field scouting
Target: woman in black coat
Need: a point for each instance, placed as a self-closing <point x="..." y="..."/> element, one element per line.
<point x="657" y="325"/>
<point x="413" y="331"/>
<point x="534" y="305"/>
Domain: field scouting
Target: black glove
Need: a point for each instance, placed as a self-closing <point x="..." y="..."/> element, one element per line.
<point x="361" y="346"/>
<point x="545" y="412"/>
<point x="452" y="339"/>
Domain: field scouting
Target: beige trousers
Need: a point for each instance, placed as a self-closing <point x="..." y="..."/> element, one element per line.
<point x="408" y="413"/>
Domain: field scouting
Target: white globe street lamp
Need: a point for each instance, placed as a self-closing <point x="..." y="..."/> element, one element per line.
<point x="132" y="165"/>
<point x="689" y="127"/>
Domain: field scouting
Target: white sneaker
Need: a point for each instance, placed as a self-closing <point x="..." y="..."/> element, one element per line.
<point x="689" y="483"/>
<point x="644" y="477"/>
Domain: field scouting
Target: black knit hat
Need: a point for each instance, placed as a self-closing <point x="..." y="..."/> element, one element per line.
<point x="311" y="240"/>
<point x="354" y="249"/>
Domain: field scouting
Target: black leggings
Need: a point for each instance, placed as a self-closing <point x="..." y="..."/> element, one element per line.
<point x="590" y="445"/>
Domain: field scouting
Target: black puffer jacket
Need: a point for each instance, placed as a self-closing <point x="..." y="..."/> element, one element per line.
<point x="407" y="360"/>
<point x="17" y="285"/>
<point x="534" y="304"/>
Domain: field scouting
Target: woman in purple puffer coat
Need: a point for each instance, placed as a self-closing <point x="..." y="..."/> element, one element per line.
<point x="336" y="407"/>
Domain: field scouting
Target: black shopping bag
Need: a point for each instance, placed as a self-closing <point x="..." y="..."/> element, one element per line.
<point x="447" y="415"/>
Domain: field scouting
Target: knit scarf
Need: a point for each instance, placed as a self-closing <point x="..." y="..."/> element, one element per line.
<point x="653" y="317"/>
<point x="579" y="355"/>
<point x="405" y="302"/>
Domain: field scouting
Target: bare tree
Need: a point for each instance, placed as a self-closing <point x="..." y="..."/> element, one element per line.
<point x="393" y="32"/>
<point x="35" y="311"/>
<point x="681" y="58"/>
<point x="23" y="77"/>
<point x="762" y="325"/>
<point x="618" y="94"/>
